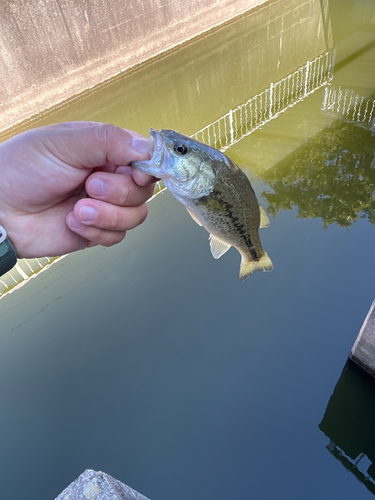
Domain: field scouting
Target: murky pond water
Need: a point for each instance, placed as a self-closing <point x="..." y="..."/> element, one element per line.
<point x="150" y="360"/>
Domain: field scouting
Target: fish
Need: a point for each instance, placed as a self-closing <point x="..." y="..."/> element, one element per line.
<point x="215" y="192"/>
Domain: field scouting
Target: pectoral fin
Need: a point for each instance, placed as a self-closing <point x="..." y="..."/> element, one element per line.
<point x="264" y="220"/>
<point x="218" y="247"/>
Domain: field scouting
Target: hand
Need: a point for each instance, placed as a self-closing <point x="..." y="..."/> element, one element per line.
<point x="69" y="186"/>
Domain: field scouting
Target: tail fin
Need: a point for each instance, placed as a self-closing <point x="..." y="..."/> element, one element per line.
<point x="250" y="267"/>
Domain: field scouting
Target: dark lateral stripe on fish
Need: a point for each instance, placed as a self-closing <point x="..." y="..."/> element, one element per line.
<point x="239" y="227"/>
<point x="253" y="252"/>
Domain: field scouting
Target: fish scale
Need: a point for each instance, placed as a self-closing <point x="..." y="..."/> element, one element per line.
<point x="228" y="223"/>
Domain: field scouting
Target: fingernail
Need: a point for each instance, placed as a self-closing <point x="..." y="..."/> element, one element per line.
<point x="96" y="187"/>
<point x="87" y="214"/>
<point x="73" y="223"/>
<point x="142" y="145"/>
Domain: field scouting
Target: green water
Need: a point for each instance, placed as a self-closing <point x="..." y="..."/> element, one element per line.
<point x="150" y="360"/>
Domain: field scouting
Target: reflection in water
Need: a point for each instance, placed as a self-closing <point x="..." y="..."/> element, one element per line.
<point x="269" y="104"/>
<point x="24" y="270"/>
<point x="349" y="106"/>
<point x="349" y="423"/>
<point x="332" y="177"/>
<point x="326" y="21"/>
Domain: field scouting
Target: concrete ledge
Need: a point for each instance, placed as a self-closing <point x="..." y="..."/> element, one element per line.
<point x="51" y="51"/>
<point x="363" y="350"/>
<point x="92" y="485"/>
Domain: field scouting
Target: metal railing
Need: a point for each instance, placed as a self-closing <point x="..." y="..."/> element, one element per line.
<point x="269" y="104"/>
<point x="344" y="103"/>
<point x="23" y="271"/>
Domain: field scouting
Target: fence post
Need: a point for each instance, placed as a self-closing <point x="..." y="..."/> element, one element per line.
<point x="307" y="75"/>
<point x="231" y="126"/>
<point x="271" y="100"/>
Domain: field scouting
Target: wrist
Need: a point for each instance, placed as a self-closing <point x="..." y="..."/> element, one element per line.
<point x="8" y="256"/>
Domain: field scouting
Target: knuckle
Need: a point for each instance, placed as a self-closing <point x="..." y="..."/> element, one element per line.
<point x="104" y="237"/>
<point x="125" y="195"/>
<point x="97" y="236"/>
<point x="140" y="215"/>
<point x="150" y="190"/>
<point x="108" y="134"/>
<point x="114" y="222"/>
<point x="112" y="238"/>
<point x="144" y="213"/>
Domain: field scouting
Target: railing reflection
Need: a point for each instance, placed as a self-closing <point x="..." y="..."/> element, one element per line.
<point x="269" y="104"/>
<point x="23" y="271"/>
<point x="344" y="103"/>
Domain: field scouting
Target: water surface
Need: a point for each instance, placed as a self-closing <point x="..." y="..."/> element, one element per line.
<point x="150" y="360"/>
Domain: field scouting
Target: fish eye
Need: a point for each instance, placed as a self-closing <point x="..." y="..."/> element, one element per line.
<point x="180" y="148"/>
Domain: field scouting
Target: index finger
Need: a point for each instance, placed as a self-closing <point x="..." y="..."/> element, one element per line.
<point x="93" y="144"/>
<point x="140" y="178"/>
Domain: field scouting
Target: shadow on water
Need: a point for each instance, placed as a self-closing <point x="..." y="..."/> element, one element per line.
<point x="349" y="423"/>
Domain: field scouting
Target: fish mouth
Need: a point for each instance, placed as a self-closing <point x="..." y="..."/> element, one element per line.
<point x="153" y="165"/>
<point x="157" y="138"/>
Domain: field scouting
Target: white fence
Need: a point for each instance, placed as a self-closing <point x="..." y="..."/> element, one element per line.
<point x="269" y="104"/>
<point x="23" y="271"/>
<point x="347" y="105"/>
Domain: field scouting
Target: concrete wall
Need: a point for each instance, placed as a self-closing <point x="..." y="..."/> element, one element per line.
<point x="53" y="49"/>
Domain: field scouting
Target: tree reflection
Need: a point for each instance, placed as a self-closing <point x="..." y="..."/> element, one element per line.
<point x="332" y="176"/>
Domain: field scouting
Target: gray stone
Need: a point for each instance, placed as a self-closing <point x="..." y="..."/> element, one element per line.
<point x="93" y="485"/>
<point x="363" y="350"/>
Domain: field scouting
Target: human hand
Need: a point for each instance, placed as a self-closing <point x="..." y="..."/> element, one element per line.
<point x="69" y="186"/>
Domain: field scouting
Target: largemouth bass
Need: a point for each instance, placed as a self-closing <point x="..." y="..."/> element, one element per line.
<point x="216" y="193"/>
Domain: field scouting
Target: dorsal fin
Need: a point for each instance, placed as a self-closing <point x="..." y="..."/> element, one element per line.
<point x="264" y="220"/>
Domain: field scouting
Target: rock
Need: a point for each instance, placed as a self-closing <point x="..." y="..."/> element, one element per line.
<point x="93" y="485"/>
